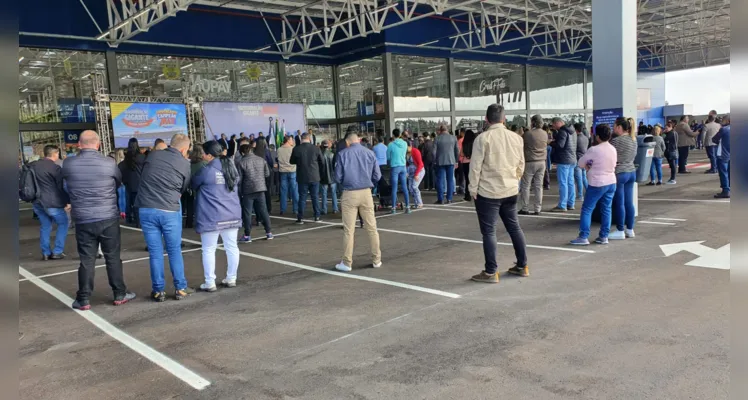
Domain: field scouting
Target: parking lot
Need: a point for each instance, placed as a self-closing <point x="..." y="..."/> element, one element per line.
<point x="618" y="321"/>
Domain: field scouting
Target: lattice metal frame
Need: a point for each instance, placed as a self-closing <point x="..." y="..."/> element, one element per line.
<point x="101" y="106"/>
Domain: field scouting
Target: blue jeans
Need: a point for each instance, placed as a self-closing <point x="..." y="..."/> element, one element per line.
<point x="565" y="175"/>
<point x="304" y="189"/>
<point x="122" y="199"/>
<point x="624" y="200"/>
<point x="157" y="224"/>
<point x="445" y="172"/>
<point x="656" y="170"/>
<point x="399" y="175"/>
<point x="323" y="189"/>
<point x="580" y="178"/>
<point x="48" y="216"/>
<point x="723" y="167"/>
<point x="288" y="184"/>
<point x="549" y="150"/>
<point x="604" y="196"/>
<point x="711" y="152"/>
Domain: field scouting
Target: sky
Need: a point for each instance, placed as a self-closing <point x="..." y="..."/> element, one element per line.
<point x="704" y="88"/>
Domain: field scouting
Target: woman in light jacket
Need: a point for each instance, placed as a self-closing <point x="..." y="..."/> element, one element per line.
<point x="659" y="152"/>
<point x="217" y="212"/>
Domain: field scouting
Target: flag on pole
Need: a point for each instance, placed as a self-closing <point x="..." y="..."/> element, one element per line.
<point x="283" y="134"/>
<point x="270" y="127"/>
<point x="278" y="134"/>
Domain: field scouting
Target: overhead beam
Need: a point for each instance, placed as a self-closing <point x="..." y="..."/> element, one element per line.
<point x="128" y="18"/>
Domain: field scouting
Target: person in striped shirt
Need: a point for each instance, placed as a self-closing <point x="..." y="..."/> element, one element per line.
<point x="623" y="202"/>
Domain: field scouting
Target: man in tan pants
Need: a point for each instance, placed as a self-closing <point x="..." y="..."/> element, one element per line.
<point x="357" y="171"/>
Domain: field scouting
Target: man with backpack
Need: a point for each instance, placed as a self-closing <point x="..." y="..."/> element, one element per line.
<point x="50" y="201"/>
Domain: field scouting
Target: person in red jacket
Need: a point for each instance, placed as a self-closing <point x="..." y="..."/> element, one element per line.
<point x="416" y="173"/>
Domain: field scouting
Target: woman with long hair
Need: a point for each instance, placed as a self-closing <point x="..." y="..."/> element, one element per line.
<point x="197" y="162"/>
<point x="671" y="150"/>
<point x="217" y="212"/>
<point x="466" y="151"/>
<point x="623" y="202"/>
<point x="261" y="150"/>
<point x="131" y="167"/>
<point x="659" y="152"/>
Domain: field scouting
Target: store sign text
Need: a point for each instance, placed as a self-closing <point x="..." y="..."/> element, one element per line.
<point x="209" y="86"/>
<point x="493" y="85"/>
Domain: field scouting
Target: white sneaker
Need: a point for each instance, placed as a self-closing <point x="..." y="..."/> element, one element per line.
<point x="377" y="265"/>
<point x="629" y="233"/>
<point x="229" y="283"/>
<point x="208" y="288"/>
<point x="617" y="235"/>
<point x="342" y="267"/>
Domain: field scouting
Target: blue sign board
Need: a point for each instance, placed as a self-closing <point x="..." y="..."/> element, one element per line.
<point x="606" y="116"/>
<point x="71" y="137"/>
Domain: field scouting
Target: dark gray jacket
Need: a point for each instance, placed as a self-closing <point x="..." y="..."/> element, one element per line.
<point x="92" y="180"/>
<point x="327" y="173"/>
<point x="583" y="143"/>
<point x="447" y="151"/>
<point x="49" y="178"/>
<point x="564" y="146"/>
<point x="131" y="176"/>
<point x="308" y="161"/>
<point x="253" y="170"/>
<point x="166" y="175"/>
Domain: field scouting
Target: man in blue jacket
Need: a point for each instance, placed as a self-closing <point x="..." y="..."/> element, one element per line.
<point x="722" y="139"/>
<point x="396" y="153"/>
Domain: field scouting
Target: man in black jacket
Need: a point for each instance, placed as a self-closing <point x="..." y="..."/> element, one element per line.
<point x="327" y="179"/>
<point x="308" y="161"/>
<point x="51" y="203"/>
<point x="427" y="153"/>
<point x="92" y="180"/>
<point x="166" y="175"/>
<point x="253" y="173"/>
<point x="564" y="155"/>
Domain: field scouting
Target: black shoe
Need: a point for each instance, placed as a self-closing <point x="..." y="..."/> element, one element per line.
<point x="299" y="222"/>
<point x="685" y="172"/>
<point x="439" y="202"/>
<point x="81" y="305"/>
<point x="651" y="184"/>
<point x="659" y="183"/>
<point x="123" y="298"/>
<point x="181" y="294"/>
<point x="316" y="219"/>
<point x="710" y="171"/>
<point x="450" y="201"/>
<point x="468" y="198"/>
<point x="546" y="188"/>
<point x="722" y="195"/>
<point x="159" y="297"/>
<point x="57" y="256"/>
<point x="523" y="212"/>
<point x="99" y="255"/>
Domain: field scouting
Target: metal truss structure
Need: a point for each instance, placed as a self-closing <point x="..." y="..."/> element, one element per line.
<point x="101" y="102"/>
<point x="672" y="34"/>
<point x="127" y="18"/>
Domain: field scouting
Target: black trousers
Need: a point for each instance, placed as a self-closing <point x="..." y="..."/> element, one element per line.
<point x="489" y="212"/>
<point x="188" y="203"/>
<point x="256" y="202"/>
<point x="682" y="158"/>
<point x="466" y="174"/>
<point x="268" y="200"/>
<point x="131" y="210"/>
<point x="428" y="177"/>
<point x="89" y="237"/>
<point x="673" y="167"/>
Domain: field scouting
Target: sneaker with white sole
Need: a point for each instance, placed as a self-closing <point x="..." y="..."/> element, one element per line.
<point x="229" y="283"/>
<point x="342" y="267"/>
<point x="601" y="240"/>
<point x="377" y="265"/>
<point x="671" y="182"/>
<point x="617" y="235"/>
<point x="629" y="233"/>
<point x="269" y="236"/>
<point x="208" y="288"/>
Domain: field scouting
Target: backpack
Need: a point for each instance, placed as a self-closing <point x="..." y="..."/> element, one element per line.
<point x="27" y="184"/>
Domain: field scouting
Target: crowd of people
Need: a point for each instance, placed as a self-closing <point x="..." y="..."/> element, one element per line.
<point x="220" y="184"/>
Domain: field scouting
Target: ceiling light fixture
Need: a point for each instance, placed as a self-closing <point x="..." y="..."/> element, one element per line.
<point x="186" y="66"/>
<point x="21" y="59"/>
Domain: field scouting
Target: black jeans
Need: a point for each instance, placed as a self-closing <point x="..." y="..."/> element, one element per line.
<point x="428" y="177"/>
<point x="268" y="200"/>
<point x="256" y="202"/>
<point x="673" y="168"/>
<point x="489" y="211"/>
<point x="89" y="237"/>
<point x="466" y="174"/>
<point x="131" y="211"/>
<point x="682" y="158"/>
<point x="188" y="202"/>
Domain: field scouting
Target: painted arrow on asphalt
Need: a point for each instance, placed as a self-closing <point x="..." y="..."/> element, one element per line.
<point x="708" y="257"/>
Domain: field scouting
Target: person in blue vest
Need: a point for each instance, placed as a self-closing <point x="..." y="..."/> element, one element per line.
<point x="722" y="139"/>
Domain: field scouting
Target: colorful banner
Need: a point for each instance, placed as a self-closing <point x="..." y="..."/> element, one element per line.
<point x="251" y="118"/>
<point x="147" y="122"/>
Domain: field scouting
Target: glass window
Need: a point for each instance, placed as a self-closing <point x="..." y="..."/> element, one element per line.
<point x="590" y="103"/>
<point x="420" y="125"/>
<point x="366" y="129"/>
<point x="55" y="85"/>
<point x="361" y="88"/>
<point x="480" y="84"/>
<point x="324" y="131"/>
<point x="32" y="143"/>
<point x="311" y="84"/>
<point x="477" y="123"/>
<point x="570" y="118"/>
<point x="420" y="83"/>
<point x="157" y="76"/>
<point x="555" y="88"/>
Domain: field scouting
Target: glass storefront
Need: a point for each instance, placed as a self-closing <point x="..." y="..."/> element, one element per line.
<point x="55" y="85"/>
<point x="420" y="125"/>
<point x="555" y="88"/>
<point x="420" y="84"/>
<point x="361" y="88"/>
<point x="480" y="84"/>
<point x="324" y="131"/>
<point x="157" y="76"/>
<point x="312" y="85"/>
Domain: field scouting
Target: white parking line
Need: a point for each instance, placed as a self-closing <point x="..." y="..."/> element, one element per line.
<point x="655" y="223"/>
<point x="331" y="272"/>
<point x="103" y="265"/>
<point x="652" y="199"/>
<point x="671" y="219"/>
<point x="301" y="230"/>
<point x="519" y="215"/>
<point x="171" y="366"/>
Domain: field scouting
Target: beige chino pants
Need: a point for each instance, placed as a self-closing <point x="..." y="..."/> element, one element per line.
<point x="353" y="203"/>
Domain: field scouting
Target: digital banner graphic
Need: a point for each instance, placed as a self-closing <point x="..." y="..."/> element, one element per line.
<point x="251" y="118"/>
<point x="147" y="122"/>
